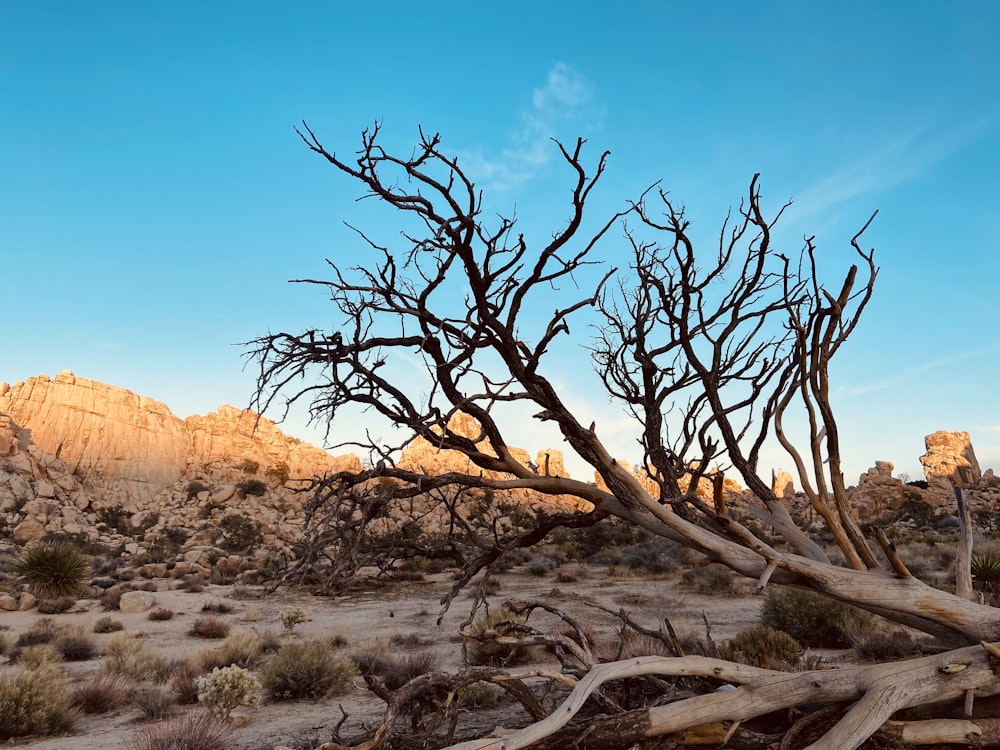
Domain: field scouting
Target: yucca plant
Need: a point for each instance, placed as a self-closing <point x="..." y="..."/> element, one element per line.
<point x="52" y="570"/>
<point x="985" y="569"/>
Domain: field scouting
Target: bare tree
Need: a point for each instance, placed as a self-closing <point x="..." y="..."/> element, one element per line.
<point x="709" y="352"/>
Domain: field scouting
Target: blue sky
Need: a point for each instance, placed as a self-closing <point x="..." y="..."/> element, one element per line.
<point x="154" y="197"/>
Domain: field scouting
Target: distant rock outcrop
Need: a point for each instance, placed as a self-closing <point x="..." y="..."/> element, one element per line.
<point x="84" y="458"/>
<point x="950" y="460"/>
<point x="136" y="446"/>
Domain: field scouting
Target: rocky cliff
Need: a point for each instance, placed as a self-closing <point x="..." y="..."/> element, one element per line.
<point x="135" y="447"/>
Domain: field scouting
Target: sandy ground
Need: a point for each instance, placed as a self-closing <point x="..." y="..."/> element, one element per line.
<point x="402" y="609"/>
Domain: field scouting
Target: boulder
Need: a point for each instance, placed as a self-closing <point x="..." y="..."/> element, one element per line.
<point x="136" y="601"/>
<point x="950" y="461"/>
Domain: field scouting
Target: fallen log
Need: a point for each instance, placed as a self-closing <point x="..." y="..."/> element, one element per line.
<point x="879" y="690"/>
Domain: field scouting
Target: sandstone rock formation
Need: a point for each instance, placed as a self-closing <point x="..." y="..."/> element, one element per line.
<point x="782" y="484"/>
<point x="83" y="458"/>
<point x="136" y="446"/>
<point x="950" y="459"/>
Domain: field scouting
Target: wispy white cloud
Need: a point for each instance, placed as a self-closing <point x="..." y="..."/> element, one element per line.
<point x="894" y="163"/>
<point x="904" y="375"/>
<point x="566" y="99"/>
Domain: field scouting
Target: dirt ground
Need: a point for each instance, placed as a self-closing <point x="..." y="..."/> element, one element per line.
<point x="367" y="618"/>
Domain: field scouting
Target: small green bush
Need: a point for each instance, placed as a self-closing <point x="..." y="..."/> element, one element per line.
<point x="52" y="570"/>
<point x="765" y="647"/>
<point x="305" y="670"/>
<point x="251" y="488"/>
<point x="279" y="472"/>
<point x="240" y="534"/>
<point x="814" y="620"/>
<point x="195" y="488"/>
<point x="108" y="625"/>
<point x="201" y="731"/>
<point x="34" y="701"/>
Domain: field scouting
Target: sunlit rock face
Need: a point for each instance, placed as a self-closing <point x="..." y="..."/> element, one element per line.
<point x="73" y="449"/>
<point x="950" y="461"/>
<point x="102" y="431"/>
<point x="113" y="437"/>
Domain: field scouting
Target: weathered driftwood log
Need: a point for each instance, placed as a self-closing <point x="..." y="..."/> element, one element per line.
<point x="879" y="690"/>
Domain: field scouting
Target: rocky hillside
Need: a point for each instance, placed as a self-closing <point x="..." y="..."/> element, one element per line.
<point x="84" y="458"/>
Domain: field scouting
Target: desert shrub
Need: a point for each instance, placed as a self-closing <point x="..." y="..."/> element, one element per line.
<point x="480" y="695"/>
<point x="4" y="643"/>
<point x="814" y="620"/>
<point x="115" y="518"/>
<point x="52" y="570"/>
<point x="241" y="648"/>
<point x="485" y="651"/>
<point x="155" y="702"/>
<point x="36" y="656"/>
<point x="127" y="655"/>
<point x="226" y="688"/>
<point x="41" y="631"/>
<point x="656" y="556"/>
<point x="75" y="645"/>
<point x="34" y="701"/>
<point x="201" y="731"/>
<point x="193" y="584"/>
<point x="56" y="606"/>
<point x="279" y="472"/>
<point x="160" y="614"/>
<point x="182" y="681"/>
<point x="251" y="488"/>
<point x="399" y="670"/>
<point x="539" y="566"/>
<point x="108" y="625"/>
<point x="711" y="580"/>
<point x="270" y="641"/>
<point x="249" y="466"/>
<point x="762" y="646"/>
<point x="292" y="617"/>
<point x="887" y="645"/>
<point x="371" y="659"/>
<point x="219" y="608"/>
<point x="239" y="533"/>
<point x="101" y="693"/>
<point x="209" y="627"/>
<point x="112" y="597"/>
<point x="195" y="488"/>
<point x="305" y="670"/>
<point x="222" y="577"/>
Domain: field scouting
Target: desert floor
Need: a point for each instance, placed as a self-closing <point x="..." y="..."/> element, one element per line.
<point x="374" y="617"/>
